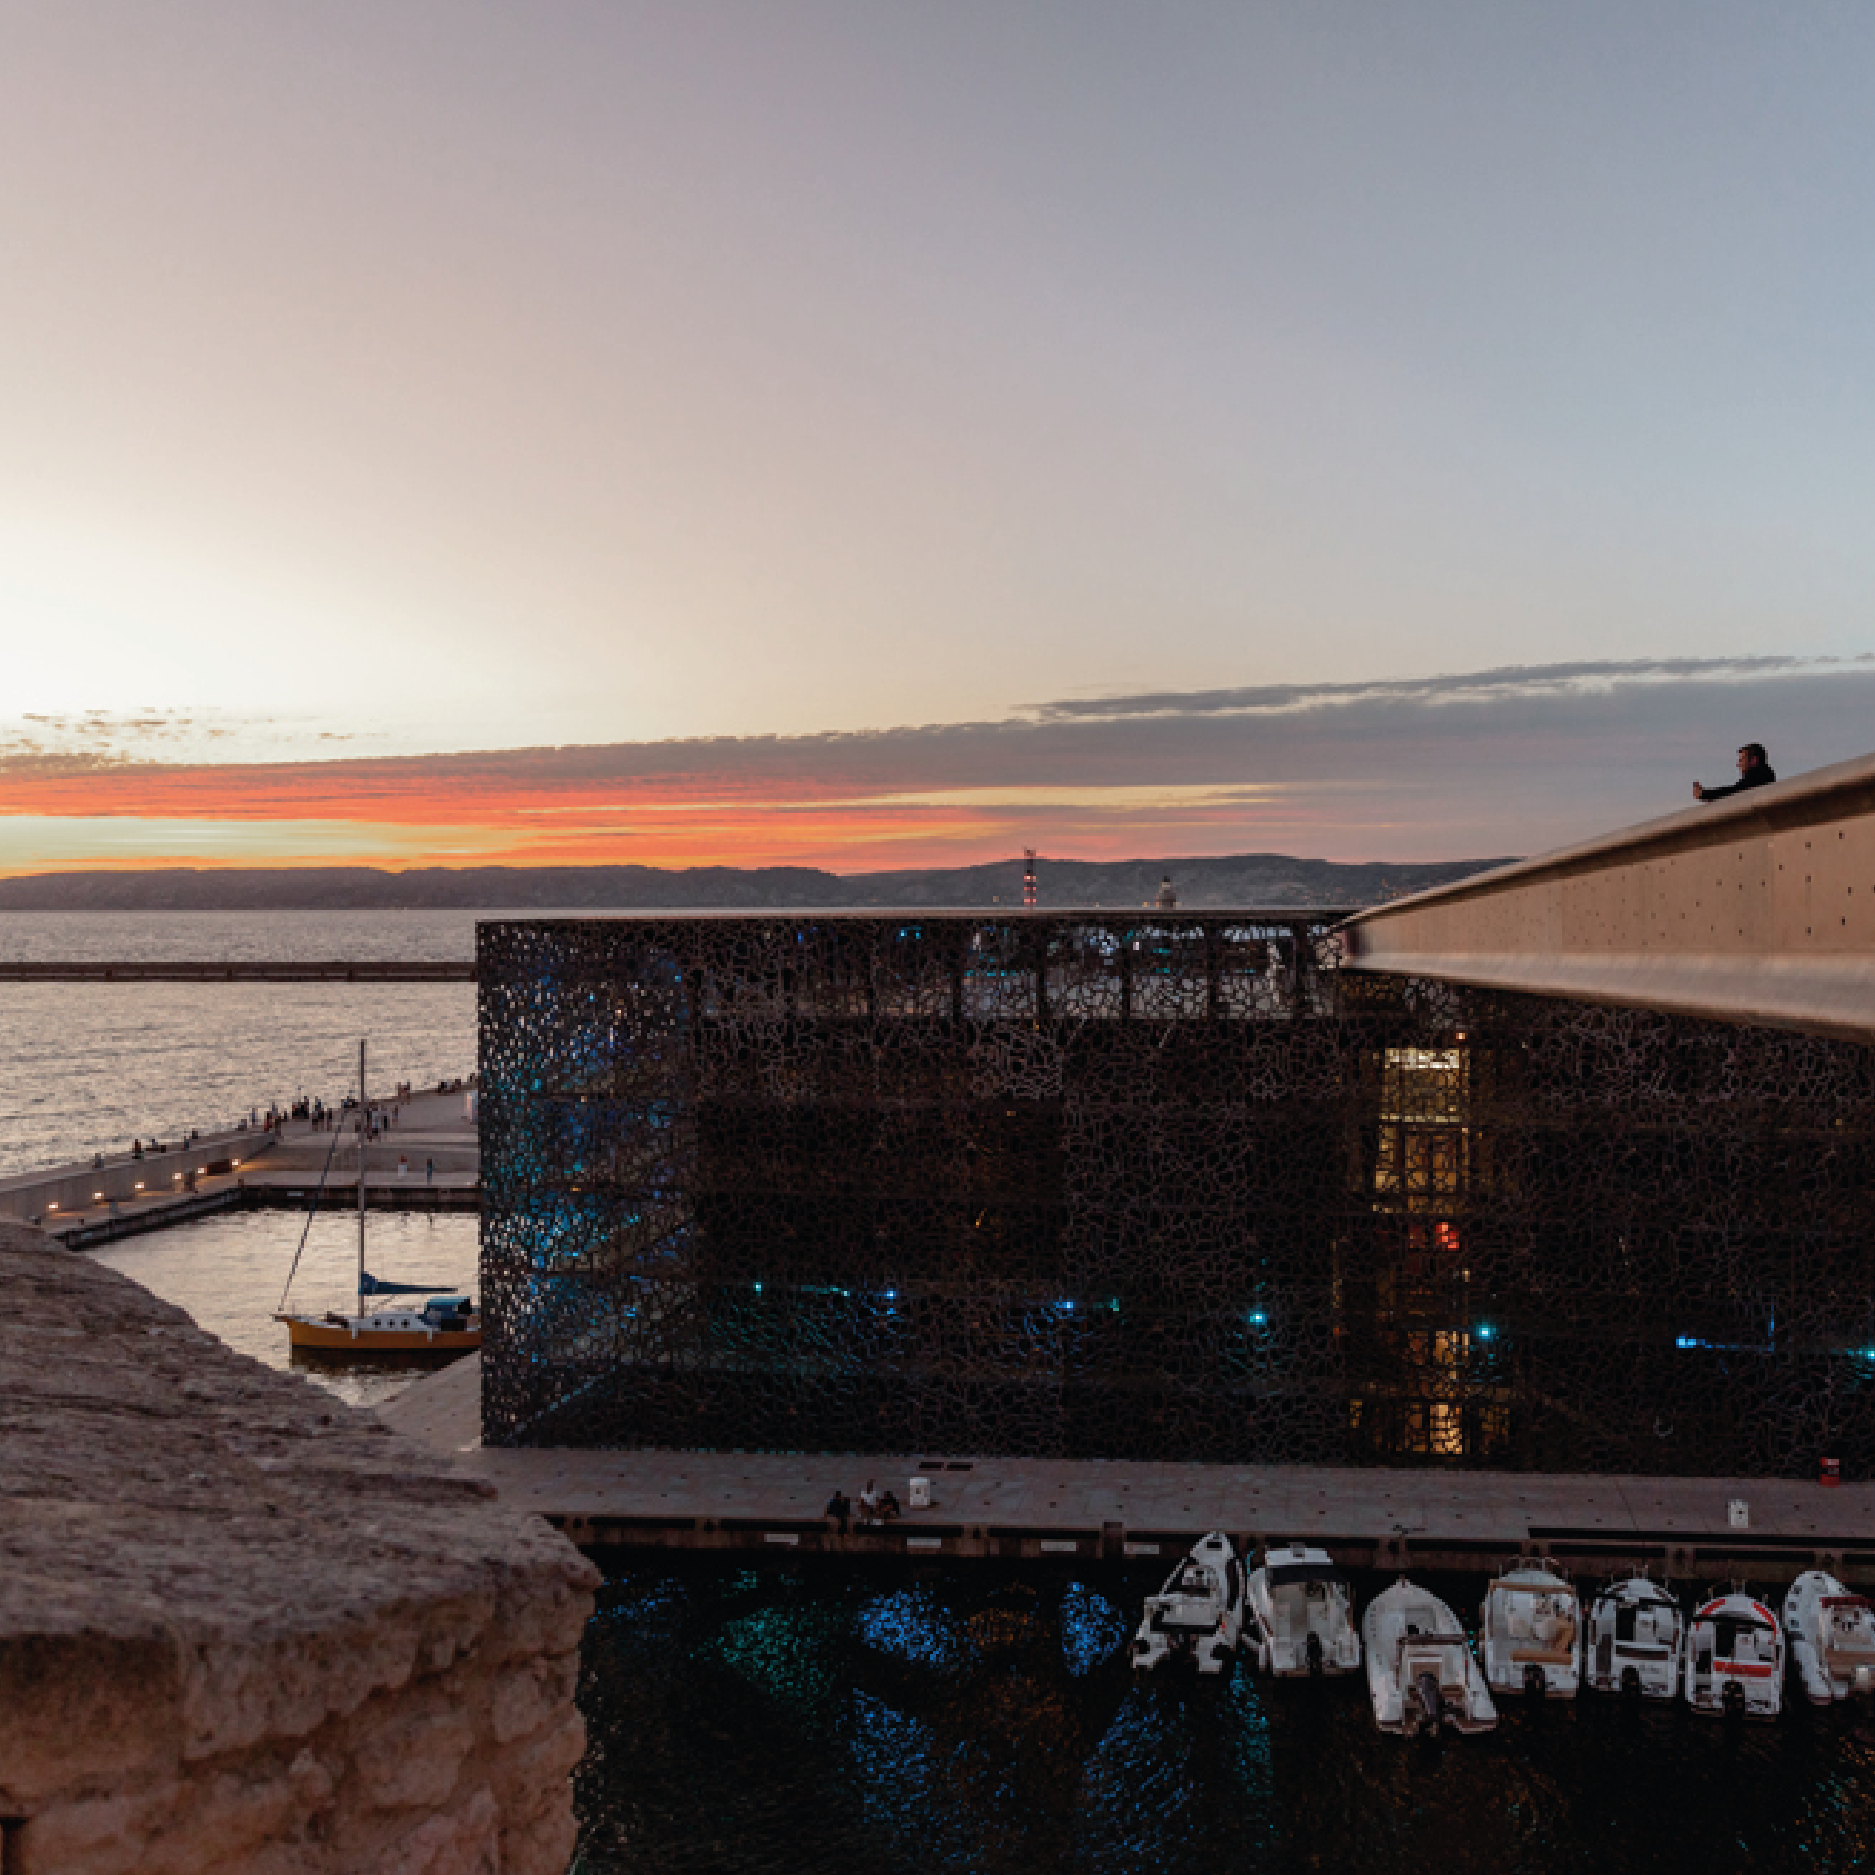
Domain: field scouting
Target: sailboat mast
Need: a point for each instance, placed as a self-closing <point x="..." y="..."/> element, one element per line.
<point x="363" y="1124"/>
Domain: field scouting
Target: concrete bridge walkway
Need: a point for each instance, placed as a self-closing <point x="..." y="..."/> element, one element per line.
<point x="1758" y="909"/>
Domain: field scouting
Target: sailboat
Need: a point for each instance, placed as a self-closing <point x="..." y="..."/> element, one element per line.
<point x="446" y="1323"/>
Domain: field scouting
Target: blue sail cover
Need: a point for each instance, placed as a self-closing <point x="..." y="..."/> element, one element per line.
<point x="369" y="1285"/>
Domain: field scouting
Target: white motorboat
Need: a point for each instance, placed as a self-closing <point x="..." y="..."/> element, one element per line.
<point x="1299" y="1615"/>
<point x="1832" y="1638"/>
<point x="1530" y="1633"/>
<point x="1636" y="1634"/>
<point x="1197" y="1618"/>
<point x="1420" y="1673"/>
<point x="1735" y="1658"/>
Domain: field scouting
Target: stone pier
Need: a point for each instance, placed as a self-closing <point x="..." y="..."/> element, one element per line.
<point x="244" y="1627"/>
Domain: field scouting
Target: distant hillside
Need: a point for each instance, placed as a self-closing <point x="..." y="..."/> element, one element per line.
<point x="1250" y="879"/>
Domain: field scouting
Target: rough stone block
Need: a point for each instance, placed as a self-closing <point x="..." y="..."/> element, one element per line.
<point x="244" y="1628"/>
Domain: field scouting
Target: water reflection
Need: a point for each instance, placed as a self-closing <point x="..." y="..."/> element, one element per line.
<point x="1092" y="1628"/>
<point x="913" y="1625"/>
<point x="902" y="1717"/>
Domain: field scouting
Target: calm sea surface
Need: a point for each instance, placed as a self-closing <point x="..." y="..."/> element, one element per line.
<point x="87" y="1067"/>
<point x="878" y="1718"/>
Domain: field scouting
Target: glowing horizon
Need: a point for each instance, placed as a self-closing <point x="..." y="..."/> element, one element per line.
<point x="1469" y="766"/>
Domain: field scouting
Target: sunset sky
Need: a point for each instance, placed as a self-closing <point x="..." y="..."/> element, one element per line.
<point x="871" y="434"/>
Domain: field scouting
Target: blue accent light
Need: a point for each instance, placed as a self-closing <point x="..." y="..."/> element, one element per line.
<point x="1485" y="1331"/>
<point x="1259" y="1318"/>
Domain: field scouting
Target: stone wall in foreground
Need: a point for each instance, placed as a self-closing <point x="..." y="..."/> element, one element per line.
<point x="244" y="1627"/>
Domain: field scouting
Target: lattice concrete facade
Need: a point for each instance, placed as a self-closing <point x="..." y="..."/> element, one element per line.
<point x="1153" y="1186"/>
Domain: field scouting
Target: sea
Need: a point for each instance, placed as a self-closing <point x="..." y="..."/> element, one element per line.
<point x="88" y="1067"/>
<point x="898" y="1717"/>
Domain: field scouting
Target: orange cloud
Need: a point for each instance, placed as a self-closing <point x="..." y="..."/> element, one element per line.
<point x="938" y="796"/>
<point x="1448" y="768"/>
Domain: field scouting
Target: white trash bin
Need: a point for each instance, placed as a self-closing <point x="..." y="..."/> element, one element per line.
<point x="921" y="1494"/>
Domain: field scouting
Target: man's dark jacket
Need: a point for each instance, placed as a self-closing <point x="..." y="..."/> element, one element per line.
<point x="1759" y="775"/>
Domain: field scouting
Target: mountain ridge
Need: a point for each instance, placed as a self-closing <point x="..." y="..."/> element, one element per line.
<point x="1272" y="880"/>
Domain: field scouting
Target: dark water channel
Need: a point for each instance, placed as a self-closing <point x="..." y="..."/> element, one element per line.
<point x="821" y="1715"/>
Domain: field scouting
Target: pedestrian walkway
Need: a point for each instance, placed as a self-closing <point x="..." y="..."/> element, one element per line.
<point x="432" y="1134"/>
<point x="1033" y="1507"/>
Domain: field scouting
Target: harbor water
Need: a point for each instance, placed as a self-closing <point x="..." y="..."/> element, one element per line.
<point x="229" y="1272"/>
<point x="907" y="1719"/>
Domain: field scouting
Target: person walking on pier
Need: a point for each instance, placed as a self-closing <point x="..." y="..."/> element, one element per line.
<point x="1754" y="771"/>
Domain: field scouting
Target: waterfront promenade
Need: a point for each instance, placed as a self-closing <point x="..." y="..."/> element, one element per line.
<point x="428" y="1160"/>
<point x="1041" y="1508"/>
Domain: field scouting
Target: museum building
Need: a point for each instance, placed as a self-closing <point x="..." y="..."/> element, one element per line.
<point x="1152" y="1184"/>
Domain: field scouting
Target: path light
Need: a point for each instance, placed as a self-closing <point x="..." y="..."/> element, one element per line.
<point x="95" y="1196"/>
<point x="52" y="1207"/>
<point x="139" y="1184"/>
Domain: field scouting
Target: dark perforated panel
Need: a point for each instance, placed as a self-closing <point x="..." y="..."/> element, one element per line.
<point x="1153" y="1186"/>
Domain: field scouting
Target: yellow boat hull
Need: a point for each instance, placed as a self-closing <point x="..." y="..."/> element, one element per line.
<point x="304" y="1332"/>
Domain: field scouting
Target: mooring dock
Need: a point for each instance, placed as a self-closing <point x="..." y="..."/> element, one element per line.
<point x="1046" y="1508"/>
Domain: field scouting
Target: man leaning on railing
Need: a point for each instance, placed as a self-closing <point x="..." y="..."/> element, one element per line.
<point x="1754" y="771"/>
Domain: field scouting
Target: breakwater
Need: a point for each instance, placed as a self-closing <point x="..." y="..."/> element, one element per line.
<point x="215" y="970"/>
